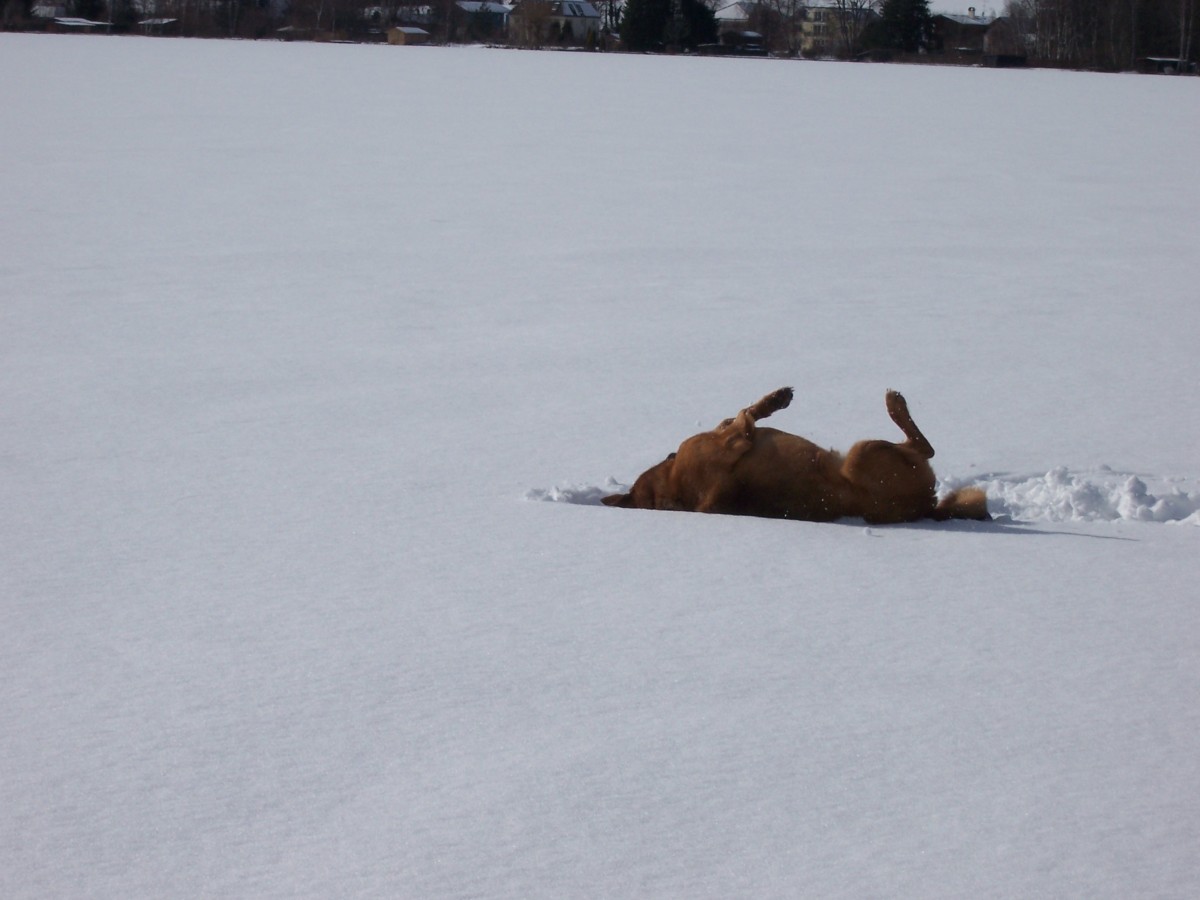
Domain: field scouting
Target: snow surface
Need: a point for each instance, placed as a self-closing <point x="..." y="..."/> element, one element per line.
<point x="291" y="333"/>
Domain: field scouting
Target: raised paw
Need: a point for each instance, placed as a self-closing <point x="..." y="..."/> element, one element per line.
<point x="781" y="398"/>
<point x="897" y="408"/>
<point x="773" y="402"/>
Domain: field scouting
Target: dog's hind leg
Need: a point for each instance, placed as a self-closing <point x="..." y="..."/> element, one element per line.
<point x="772" y="403"/>
<point x="738" y="432"/>
<point x="897" y="408"/>
<point x="765" y="406"/>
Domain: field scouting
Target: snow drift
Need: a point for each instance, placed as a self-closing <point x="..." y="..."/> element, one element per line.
<point x="1058" y="496"/>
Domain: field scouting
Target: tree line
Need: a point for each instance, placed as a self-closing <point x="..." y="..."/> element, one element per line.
<point x="1105" y="34"/>
<point x="1094" y="34"/>
<point x="1099" y="34"/>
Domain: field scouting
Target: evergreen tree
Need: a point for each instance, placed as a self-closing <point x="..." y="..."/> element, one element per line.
<point x="906" y="24"/>
<point x="644" y="24"/>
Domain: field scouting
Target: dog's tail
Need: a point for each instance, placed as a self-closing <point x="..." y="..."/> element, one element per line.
<point x="965" y="503"/>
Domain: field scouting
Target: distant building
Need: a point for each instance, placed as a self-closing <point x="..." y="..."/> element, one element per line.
<point x="495" y="14"/>
<point x="538" y="22"/>
<point x="828" y="30"/>
<point x="1004" y="45"/>
<point x="735" y="16"/>
<point x="75" y="23"/>
<point x="577" y="16"/>
<point x="407" y="35"/>
<point x="1167" y="65"/>
<point x="956" y="35"/>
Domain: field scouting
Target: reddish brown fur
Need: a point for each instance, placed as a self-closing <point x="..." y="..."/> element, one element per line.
<point x="739" y="468"/>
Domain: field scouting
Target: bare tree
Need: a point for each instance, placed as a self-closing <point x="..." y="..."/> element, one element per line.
<point x="529" y="24"/>
<point x="610" y="15"/>
<point x="778" y="21"/>
<point x="851" y="18"/>
<point x="1106" y="34"/>
<point x="1187" y="25"/>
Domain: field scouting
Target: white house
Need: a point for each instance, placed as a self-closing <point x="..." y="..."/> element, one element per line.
<point x="538" y="21"/>
<point x="735" y="16"/>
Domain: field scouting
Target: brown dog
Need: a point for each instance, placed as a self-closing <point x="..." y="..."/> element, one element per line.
<point x="741" y="469"/>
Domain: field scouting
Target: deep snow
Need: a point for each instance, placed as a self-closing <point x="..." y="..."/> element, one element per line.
<point x="290" y="335"/>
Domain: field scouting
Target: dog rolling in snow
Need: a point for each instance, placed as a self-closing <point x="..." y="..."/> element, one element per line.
<point x="741" y="469"/>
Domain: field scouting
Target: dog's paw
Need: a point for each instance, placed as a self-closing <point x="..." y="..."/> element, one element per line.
<point x="772" y="403"/>
<point x="780" y="399"/>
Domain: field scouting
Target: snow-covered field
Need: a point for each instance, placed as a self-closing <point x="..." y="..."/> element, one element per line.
<point x="294" y="339"/>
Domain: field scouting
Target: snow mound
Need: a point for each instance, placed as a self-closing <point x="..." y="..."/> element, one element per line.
<point x="1059" y="495"/>
<point x="1104" y="495"/>
<point x="581" y="494"/>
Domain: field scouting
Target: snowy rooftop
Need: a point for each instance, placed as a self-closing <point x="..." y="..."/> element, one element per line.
<point x="484" y="6"/>
<point x="967" y="19"/>
<point x="736" y="11"/>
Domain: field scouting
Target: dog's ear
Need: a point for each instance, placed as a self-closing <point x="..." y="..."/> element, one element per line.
<point x="615" y="500"/>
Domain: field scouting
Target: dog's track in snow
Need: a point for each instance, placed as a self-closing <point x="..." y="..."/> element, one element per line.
<point x="1101" y="495"/>
<point x="1060" y="495"/>
<point x="582" y="494"/>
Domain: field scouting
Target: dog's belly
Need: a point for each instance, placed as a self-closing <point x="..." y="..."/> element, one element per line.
<point x="789" y="477"/>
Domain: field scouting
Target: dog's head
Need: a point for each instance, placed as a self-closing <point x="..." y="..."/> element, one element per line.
<point x="649" y="491"/>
